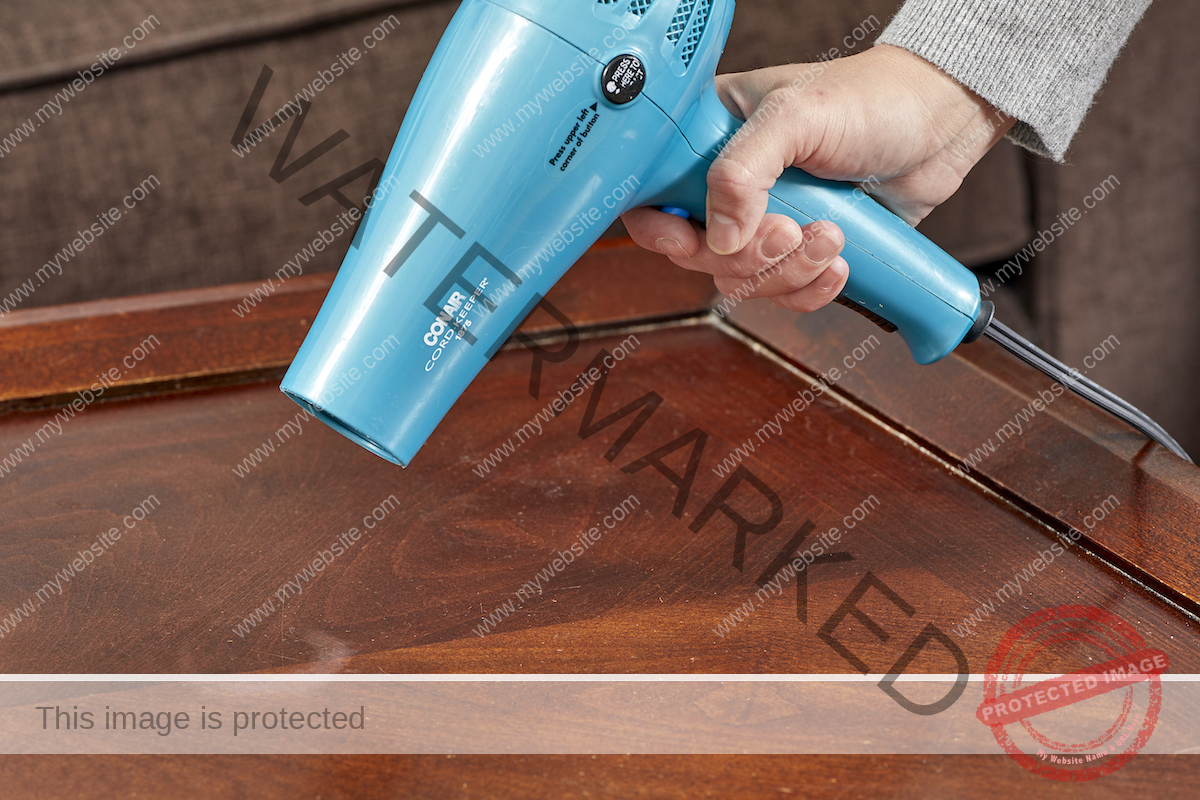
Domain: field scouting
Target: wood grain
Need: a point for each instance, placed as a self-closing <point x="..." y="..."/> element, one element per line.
<point x="457" y="541"/>
<point x="167" y="597"/>
<point x="572" y="777"/>
<point x="51" y="353"/>
<point x="1064" y="462"/>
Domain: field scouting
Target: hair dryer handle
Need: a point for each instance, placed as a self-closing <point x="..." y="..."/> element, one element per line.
<point x="897" y="276"/>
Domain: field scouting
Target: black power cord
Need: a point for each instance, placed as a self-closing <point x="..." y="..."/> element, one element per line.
<point x="1035" y="357"/>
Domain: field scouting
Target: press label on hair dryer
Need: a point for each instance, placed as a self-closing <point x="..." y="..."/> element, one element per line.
<point x="570" y="144"/>
<point x="456" y="312"/>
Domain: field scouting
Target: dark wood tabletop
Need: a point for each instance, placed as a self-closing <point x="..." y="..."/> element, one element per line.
<point x="689" y="421"/>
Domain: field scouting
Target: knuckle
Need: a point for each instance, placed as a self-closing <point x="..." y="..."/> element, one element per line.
<point x="777" y="100"/>
<point x="729" y="179"/>
<point x="821" y="226"/>
<point x="744" y="268"/>
<point x="796" y="272"/>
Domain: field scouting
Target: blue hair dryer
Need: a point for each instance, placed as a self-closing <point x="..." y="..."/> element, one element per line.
<point x="535" y="126"/>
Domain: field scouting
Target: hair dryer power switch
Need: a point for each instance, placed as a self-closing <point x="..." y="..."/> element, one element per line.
<point x="623" y="79"/>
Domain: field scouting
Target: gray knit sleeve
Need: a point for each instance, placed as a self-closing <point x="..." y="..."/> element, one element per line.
<point x="1040" y="61"/>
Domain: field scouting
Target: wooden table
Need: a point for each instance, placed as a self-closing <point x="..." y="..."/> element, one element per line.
<point x="189" y="405"/>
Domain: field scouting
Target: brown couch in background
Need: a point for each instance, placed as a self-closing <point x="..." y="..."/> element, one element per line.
<point x="1130" y="267"/>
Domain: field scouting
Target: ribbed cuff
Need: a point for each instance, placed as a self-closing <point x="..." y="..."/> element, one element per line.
<point x="1039" y="61"/>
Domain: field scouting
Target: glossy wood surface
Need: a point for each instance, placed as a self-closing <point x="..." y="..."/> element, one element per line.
<point x="50" y="353"/>
<point x="1064" y="461"/>
<point x="571" y="777"/>
<point x="648" y="596"/>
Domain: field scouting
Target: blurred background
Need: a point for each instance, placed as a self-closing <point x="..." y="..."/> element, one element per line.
<point x="138" y="106"/>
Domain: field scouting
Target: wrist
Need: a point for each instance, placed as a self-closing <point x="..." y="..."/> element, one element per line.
<point x="961" y="123"/>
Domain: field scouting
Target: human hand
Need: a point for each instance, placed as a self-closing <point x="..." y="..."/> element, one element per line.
<point x="885" y="116"/>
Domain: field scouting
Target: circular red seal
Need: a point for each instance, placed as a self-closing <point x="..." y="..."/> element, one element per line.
<point x="1080" y="725"/>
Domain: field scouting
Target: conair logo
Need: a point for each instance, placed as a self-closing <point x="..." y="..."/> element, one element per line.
<point x="457" y="274"/>
<point x="453" y="319"/>
<point x="438" y="327"/>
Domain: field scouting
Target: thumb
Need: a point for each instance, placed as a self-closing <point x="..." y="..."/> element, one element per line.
<point x="749" y="164"/>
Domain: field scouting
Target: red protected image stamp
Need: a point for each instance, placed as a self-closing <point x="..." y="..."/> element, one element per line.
<point x="1083" y="724"/>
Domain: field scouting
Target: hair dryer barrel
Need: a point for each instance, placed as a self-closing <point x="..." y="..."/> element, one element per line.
<point x="495" y="186"/>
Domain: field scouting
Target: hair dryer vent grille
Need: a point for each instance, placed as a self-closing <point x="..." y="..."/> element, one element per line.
<point x="636" y="7"/>
<point x="696" y="28"/>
